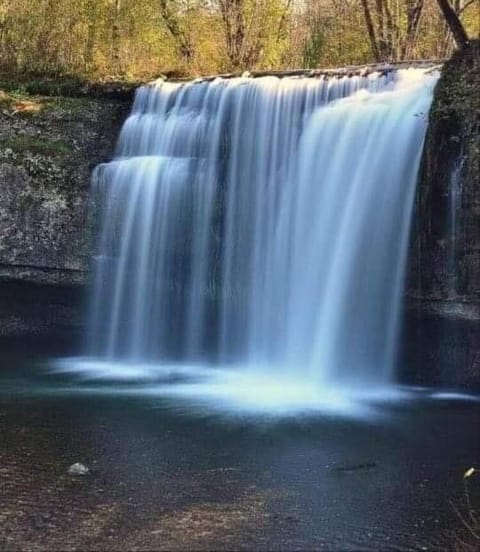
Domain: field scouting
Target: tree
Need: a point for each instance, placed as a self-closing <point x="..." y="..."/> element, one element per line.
<point x="172" y="18"/>
<point x="141" y="39"/>
<point x="452" y="19"/>
<point x="242" y="51"/>
<point x="392" y="27"/>
<point x="116" y="36"/>
<point x="414" y="13"/>
<point x="314" y="43"/>
<point x="252" y="30"/>
<point x="371" y="31"/>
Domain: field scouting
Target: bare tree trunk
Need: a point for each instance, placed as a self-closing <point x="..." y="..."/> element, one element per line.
<point x="459" y="34"/>
<point x="414" y="14"/>
<point x="183" y="41"/>
<point x="382" y="30"/>
<point x="88" y="55"/>
<point x="388" y="38"/>
<point x="232" y="12"/>
<point x="391" y="31"/>
<point x="448" y="42"/>
<point x="240" y="31"/>
<point x="371" y="31"/>
<point x="116" y="58"/>
<point x="283" y="20"/>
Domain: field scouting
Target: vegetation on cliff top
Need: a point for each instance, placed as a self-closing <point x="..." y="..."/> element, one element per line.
<point x="112" y="39"/>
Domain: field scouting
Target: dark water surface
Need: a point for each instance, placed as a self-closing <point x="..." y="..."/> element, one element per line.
<point x="166" y="474"/>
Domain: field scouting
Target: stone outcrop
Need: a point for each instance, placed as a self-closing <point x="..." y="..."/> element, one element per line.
<point x="48" y="148"/>
<point x="443" y="293"/>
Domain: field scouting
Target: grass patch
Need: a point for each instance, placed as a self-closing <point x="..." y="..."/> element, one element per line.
<point x="69" y="87"/>
<point x="34" y="95"/>
<point x="22" y="104"/>
<point x="48" y="86"/>
<point x="30" y="144"/>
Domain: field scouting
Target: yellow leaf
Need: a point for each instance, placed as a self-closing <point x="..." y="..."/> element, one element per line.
<point x="469" y="472"/>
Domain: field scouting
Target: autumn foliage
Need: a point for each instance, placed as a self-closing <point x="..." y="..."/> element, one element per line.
<point x="142" y="39"/>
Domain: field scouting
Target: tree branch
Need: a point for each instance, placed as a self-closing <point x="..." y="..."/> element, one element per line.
<point x="465" y="6"/>
<point x="414" y="14"/>
<point x="454" y="23"/>
<point x="173" y="26"/>
<point x="371" y="30"/>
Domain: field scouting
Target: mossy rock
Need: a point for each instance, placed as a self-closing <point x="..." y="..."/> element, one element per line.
<point x="449" y="187"/>
<point x="70" y="87"/>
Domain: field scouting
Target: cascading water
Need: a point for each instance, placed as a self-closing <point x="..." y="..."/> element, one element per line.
<point x="261" y="224"/>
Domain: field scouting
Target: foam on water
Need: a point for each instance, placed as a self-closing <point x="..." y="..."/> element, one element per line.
<point x="240" y="390"/>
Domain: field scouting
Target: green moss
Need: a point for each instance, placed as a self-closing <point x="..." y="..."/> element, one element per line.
<point x="452" y="149"/>
<point x="456" y="95"/>
<point x="64" y="86"/>
<point x="30" y="144"/>
<point x="455" y="111"/>
<point x="70" y="87"/>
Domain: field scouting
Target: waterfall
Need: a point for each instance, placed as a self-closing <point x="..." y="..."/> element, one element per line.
<point x="261" y="223"/>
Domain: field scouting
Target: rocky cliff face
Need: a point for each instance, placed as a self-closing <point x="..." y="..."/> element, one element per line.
<point x="443" y="291"/>
<point x="48" y="148"/>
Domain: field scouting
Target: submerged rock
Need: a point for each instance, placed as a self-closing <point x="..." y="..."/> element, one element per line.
<point x="366" y="466"/>
<point x="78" y="469"/>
